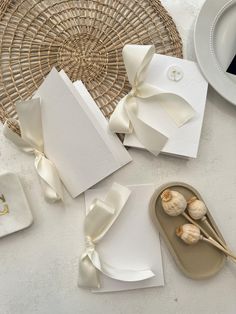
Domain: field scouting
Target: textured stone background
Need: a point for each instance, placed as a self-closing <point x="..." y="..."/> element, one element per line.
<point x="38" y="267"/>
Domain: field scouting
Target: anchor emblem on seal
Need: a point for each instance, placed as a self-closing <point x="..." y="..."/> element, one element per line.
<point x="4" y="209"/>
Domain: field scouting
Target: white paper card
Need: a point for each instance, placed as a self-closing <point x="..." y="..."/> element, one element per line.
<point x="132" y="242"/>
<point x="183" y="141"/>
<point x="83" y="150"/>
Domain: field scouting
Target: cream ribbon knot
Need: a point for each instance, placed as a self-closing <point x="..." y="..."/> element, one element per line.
<point x="100" y="218"/>
<point x="125" y="117"/>
<point x="31" y="141"/>
<point x="89" y="243"/>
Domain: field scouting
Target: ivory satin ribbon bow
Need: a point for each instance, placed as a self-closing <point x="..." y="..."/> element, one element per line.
<point x="125" y="117"/>
<point x="100" y="218"/>
<point x="31" y="141"/>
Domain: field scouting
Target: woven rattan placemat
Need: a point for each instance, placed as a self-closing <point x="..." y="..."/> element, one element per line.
<point x="83" y="37"/>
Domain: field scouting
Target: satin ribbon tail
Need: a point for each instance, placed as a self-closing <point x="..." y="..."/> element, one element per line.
<point x="50" y="178"/>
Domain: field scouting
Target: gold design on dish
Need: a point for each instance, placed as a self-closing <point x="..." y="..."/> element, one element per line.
<point x="4" y="209"/>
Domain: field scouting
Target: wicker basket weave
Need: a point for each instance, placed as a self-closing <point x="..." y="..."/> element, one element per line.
<point x="84" y="37"/>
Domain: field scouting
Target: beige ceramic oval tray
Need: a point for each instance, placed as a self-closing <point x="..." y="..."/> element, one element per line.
<point x="196" y="261"/>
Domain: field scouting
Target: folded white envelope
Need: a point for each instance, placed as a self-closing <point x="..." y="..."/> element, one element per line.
<point x="76" y="135"/>
<point x="132" y="242"/>
<point x="182" y="77"/>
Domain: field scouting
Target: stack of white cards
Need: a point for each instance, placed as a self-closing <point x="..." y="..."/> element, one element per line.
<point x="183" y="78"/>
<point x="132" y="242"/>
<point x="76" y="134"/>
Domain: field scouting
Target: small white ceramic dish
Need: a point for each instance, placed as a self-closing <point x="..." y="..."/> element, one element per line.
<point x="15" y="213"/>
<point x="215" y="45"/>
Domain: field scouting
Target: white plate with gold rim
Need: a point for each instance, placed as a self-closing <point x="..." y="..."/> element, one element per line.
<point x="215" y="45"/>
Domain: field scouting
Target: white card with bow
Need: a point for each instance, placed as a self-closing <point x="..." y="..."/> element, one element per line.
<point x="190" y="84"/>
<point x="132" y="242"/>
<point x="76" y="135"/>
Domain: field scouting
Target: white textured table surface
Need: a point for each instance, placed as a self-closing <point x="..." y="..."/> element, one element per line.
<point x="39" y="266"/>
